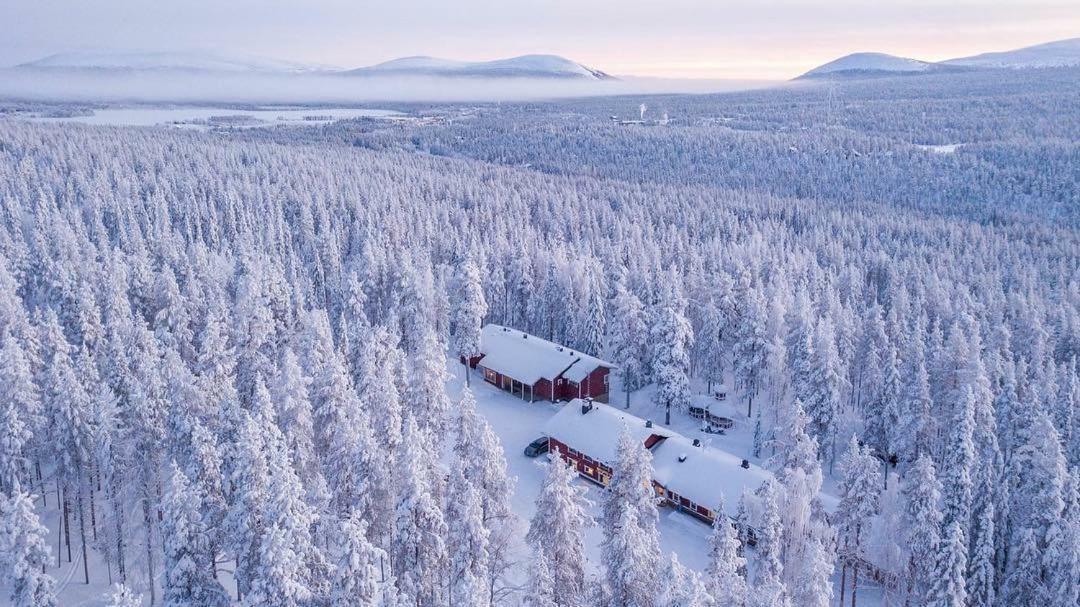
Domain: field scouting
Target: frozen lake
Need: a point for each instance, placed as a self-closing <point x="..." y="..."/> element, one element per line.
<point x="206" y="117"/>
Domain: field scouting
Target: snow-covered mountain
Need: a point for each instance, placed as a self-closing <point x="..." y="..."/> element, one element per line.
<point x="162" y="60"/>
<point x="1063" y="53"/>
<point x="525" y="66"/>
<point x="869" y="64"/>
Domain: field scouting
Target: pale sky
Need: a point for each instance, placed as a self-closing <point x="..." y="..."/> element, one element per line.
<point x="672" y="38"/>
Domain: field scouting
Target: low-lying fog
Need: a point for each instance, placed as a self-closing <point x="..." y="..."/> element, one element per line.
<point x="180" y="87"/>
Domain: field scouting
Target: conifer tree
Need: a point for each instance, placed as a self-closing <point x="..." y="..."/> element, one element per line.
<point x="672" y="338"/>
<point x="559" y="526"/>
<point x="724" y="574"/>
<point x="23" y="553"/>
<point x="467" y="311"/>
<point x="629" y="333"/>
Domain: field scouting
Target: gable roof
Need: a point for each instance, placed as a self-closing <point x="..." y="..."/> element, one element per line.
<point x="596" y="433"/>
<point x="707" y="475"/>
<point x="529" y="359"/>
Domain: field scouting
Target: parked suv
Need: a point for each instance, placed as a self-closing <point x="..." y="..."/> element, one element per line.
<point x="537" y="447"/>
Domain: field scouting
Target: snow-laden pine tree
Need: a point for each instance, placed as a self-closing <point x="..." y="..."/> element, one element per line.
<point x="189" y="566"/>
<point x="23" y="553"/>
<point x="860" y="484"/>
<point x="630" y="559"/>
<point x="629" y="339"/>
<point x="724" y="576"/>
<point x="812" y="586"/>
<point x="467" y="311"/>
<point x="468" y="540"/>
<point x="827" y="386"/>
<point x="360" y="577"/>
<point x="915" y="427"/>
<point x="672" y="337"/>
<point x="476" y="441"/>
<point x="948" y="586"/>
<point x="631" y="483"/>
<point x="19" y="412"/>
<point x="122" y="596"/>
<point x="922" y="496"/>
<point x="540" y="590"/>
<point x="681" y="587"/>
<point x="425" y="398"/>
<point x="418" y="551"/>
<point x="1061" y="561"/>
<point x="750" y="341"/>
<point x="289" y="393"/>
<point x="768" y="588"/>
<point x="558" y="528"/>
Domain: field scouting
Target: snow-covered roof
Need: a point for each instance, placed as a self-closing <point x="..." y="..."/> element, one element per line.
<point x="707" y="474"/>
<point x="596" y="433"/>
<point x="528" y="358"/>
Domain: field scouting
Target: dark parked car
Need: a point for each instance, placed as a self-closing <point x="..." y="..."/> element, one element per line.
<point x="537" y="447"/>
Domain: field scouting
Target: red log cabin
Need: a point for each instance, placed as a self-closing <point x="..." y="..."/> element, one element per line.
<point x="535" y="368"/>
<point x="688" y="475"/>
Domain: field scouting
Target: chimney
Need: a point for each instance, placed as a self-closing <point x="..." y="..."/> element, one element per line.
<point x="682" y="458"/>
<point x="648" y="423"/>
<point x="746" y="464"/>
<point x="524" y="336"/>
<point x="697" y="442"/>
<point x="586" y="406"/>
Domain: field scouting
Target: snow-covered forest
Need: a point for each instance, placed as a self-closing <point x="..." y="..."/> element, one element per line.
<point x="224" y="356"/>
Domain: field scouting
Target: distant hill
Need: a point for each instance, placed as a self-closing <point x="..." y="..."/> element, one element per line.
<point x="1063" y="53"/>
<point x="167" y="61"/>
<point x="526" y="66"/>
<point x="869" y="64"/>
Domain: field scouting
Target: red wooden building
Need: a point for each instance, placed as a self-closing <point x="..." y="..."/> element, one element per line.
<point x="688" y="475"/>
<point x="536" y="368"/>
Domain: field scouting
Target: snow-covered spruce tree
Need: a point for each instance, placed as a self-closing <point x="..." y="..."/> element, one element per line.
<point x="189" y="560"/>
<point x="631" y="483"/>
<point x="958" y="459"/>
<point x="672" y="338"/>
<point x="359" y="578"/>
<point x="122" y="596"/>
<point x="19" y="412"/>
<point x="751" y="341"/>
<point x="476" y="441"/>
<point x="915" y="427"/>
<point x="768" y="588"/>
<point x="948" y="586"/>
<point x="827" y="386"/>
<point x="425" y="398"/>
<point x="467" y="311"/>
<point x="289" y="393"/>
<point x="418" y="551"/>
<point x="540" y="590"/>
<point x="860" y="484"/>
<point x="723" y="577"/>
<point x="23" y="553"/>
<point x="813" y="586"/>
<point x="922" y="496"/>
<point x="629" y="338"/>
<point x="248" y="482"/>
<point x="1061" y="561"/>
<point x="681" y="587"/>
<point x="630" y="560"/>
<point x="468" y="541"/>
<point x="558" y="528"/>
<point x="592" y="325"/>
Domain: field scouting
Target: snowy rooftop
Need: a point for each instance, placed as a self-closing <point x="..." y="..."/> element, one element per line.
<point x="596" y="433"/>
<point x="707" y="474"/>
<point x="529" y="359"/>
